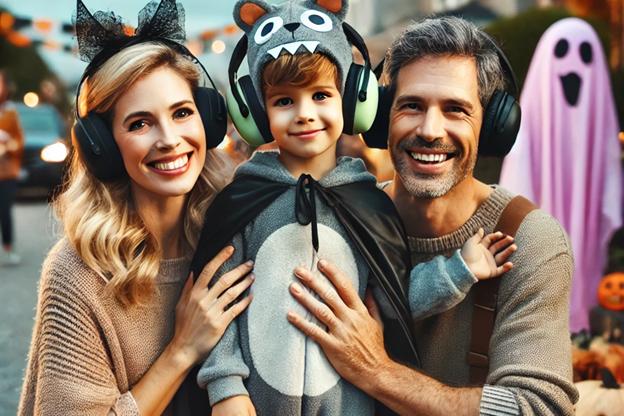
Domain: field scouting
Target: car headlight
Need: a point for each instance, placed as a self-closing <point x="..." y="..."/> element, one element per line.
<point x="55" y="152"/>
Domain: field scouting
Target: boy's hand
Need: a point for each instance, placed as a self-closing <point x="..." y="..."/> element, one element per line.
<point x="234" y="406"/>
<point x="487" y="256"/>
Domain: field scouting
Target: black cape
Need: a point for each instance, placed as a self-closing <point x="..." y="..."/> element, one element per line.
<point x="370" y="220"/>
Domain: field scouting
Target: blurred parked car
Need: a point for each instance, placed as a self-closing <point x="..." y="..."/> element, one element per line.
<point x="45" y="150"/>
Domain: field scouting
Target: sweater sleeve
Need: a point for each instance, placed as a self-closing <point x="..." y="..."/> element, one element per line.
<point x="223" y="371"/>
<point x="530" y="350"/>
<point x="69" y="371"/>
<point x="438" y="284"/>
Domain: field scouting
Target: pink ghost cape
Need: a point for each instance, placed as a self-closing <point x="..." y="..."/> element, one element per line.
<point x="567" y="156"/>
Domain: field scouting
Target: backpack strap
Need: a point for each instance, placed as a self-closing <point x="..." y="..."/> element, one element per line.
<point x="486" y="295"/>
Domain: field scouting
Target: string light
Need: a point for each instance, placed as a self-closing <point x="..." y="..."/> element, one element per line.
<point x="218" y="46"/>
<point x="31" y="99"/>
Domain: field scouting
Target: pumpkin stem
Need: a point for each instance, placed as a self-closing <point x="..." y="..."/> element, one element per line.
<point x="608" y="380"/>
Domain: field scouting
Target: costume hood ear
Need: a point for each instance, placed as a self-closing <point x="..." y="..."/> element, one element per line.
<point x="338" y="7"/>
<point x="247" y="13"/>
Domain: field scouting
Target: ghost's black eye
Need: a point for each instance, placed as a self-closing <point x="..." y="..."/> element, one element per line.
<point x="586" y="52"/>
<point x="561" y="48"/>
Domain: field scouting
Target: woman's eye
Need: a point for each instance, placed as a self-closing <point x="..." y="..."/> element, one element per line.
<point x="137" y="125"/>
<point x="183" y="113"/>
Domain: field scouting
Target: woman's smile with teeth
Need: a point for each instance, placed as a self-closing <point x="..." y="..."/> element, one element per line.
<point x="429" y="157"/>
<point x="172" y="164"/>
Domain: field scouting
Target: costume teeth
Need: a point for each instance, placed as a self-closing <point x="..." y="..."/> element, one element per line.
<point x="310" y="45"/>
<point x="292" y="48"/>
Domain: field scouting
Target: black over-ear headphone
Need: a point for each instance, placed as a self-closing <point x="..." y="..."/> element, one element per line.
<point x="96" y="144"/>
<point x="501" y="117"/>
<point x="359" y="99"/>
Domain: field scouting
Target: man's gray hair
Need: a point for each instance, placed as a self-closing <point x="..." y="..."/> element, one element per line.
<point x="445" y="36"/>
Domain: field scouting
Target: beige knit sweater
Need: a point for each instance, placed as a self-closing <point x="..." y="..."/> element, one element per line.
<point x="87" y="351"/>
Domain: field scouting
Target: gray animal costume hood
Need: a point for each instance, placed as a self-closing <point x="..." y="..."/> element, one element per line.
<point x="304" y="26"/>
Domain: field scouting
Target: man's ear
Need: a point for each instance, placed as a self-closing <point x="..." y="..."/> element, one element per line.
<point x="247" y="13"/>
<point x="337" y="7"/>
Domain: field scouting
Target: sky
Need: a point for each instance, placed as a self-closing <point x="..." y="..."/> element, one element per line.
<point x="201" y="15"/>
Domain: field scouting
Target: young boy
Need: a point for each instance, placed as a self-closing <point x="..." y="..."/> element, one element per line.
<point x="263" y="364"/>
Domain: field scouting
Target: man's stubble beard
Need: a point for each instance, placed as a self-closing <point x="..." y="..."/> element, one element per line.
<point x="427" y="186"/>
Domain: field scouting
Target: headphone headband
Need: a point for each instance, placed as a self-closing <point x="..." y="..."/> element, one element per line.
<point x="106" y="54"/>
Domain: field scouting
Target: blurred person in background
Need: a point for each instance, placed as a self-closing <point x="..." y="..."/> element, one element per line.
<point x="11" y="150"/>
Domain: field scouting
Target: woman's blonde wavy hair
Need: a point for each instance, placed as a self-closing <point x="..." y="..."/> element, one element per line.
<point x="100" y="219"/>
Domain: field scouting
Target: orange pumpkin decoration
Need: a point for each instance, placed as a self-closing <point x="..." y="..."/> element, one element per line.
<point x="611" y="292"/>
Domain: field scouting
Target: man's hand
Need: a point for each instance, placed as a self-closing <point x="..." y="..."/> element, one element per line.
<point x="234" y="406"/>
<point x="353" y="340"/>
<point x="486" y="257"/>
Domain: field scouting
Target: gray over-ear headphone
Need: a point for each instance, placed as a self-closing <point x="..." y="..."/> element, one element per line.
<point x="359" y="99"/>
<point x="501" y="117"/>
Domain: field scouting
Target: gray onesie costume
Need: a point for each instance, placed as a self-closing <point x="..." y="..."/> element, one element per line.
<point x="262" y="354"/>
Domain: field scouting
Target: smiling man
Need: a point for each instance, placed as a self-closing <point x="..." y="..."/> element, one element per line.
<point x="444" y="73"/>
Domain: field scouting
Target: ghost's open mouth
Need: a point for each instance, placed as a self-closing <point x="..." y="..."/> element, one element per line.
<point x="292" y="48"/>
<point x="571" y="84"/>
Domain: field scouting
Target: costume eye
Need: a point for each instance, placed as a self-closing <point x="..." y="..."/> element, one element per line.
<point x="267" y="29"/>
<point x="561" y="48"/>
<point x="586" y="52"/>
<point x="316" y="20"/>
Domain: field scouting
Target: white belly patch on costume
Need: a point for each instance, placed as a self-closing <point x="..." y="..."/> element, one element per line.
<point x="284" y="358"/>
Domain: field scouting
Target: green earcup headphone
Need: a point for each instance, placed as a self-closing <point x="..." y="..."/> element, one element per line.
<point x="359" y="99"/>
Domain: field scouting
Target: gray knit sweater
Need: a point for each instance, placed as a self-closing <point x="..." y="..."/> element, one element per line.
<point x="530" y="351"/>
<point x="87" y="350"/>
<point x="262" y="354"/>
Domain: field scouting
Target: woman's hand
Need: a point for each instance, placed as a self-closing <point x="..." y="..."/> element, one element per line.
<point x="202" y="314"/>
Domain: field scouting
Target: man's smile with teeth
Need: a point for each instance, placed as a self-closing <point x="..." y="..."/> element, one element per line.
<point x="429" y="157"/>
<point x="172" y="164"/>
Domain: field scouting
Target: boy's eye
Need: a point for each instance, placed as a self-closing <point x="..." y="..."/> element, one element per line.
<point x="182" y="113"/>
<point x="137" y="125"/>
<point x="282" y="102"/>
<point x="319" y="96"/>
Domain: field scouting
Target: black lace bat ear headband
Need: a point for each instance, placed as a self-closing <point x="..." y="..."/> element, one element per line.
<point x="102" y="34"/>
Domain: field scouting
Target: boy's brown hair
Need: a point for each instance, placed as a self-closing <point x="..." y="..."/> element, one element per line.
<point x="298" y="70"/>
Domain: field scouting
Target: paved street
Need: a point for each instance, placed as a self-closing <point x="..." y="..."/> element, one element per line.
<point x="35" y="234"/>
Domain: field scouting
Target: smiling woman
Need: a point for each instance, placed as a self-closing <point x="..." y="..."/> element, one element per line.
<point x="119" y="322"/>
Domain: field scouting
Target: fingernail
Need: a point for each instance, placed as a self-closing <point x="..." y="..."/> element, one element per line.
<point x="230" y="249"/>
<point x="296" y="289"/>
<point x="252" y="276"/>
<point x="249" y="263"/>
<point x="290" y="316"/>
<point x="322" y="263"/>
<point x="299" y="272"/>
